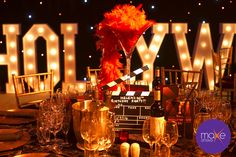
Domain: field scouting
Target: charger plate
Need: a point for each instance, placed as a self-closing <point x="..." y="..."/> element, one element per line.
<point x="9" y="120"/>
<point x="34" y="155"/>
<point x="9" y="145"/>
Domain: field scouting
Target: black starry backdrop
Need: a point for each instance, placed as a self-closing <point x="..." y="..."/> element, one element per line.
<point x="88" y="13"/>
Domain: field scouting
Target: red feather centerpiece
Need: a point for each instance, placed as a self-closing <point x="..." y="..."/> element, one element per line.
<point x="119" y="30"/>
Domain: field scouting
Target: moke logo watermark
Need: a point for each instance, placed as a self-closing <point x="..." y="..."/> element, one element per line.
<point x="213" y="136"/>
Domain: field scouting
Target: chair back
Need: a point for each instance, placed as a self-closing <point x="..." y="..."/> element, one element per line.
<point x="32" y="88"/>
<point x="186" y="78"/>
<point x="94" y="74"/>
<point x="222" y="62"/>
<point x="223" y="79"/>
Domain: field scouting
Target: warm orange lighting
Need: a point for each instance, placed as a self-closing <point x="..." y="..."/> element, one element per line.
<point x="12" y="29"/>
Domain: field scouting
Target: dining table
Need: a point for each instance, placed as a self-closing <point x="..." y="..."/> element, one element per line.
<point x="28" y="145"/>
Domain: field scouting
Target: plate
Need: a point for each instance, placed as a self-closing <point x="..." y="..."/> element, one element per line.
<point x="33" y="155"/>
<point x="26" y="113"/>
<point x="9" y="145"/>
<point x="8" y="120"/>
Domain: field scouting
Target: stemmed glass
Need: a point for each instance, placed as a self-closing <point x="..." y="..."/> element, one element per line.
<point x="151" y="132"/>
<point x="43" y="125"/>
<point x="88" y="130"/>
<point x="56" y="126"/>
<point x="108" y="137"/>
<point x="224" y="111"/>
<point x="170" y="136"/>
<point x="66" y="124"/>
<point x="199" y="118"/>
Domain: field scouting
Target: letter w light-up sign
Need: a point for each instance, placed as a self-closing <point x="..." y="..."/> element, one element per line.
<point x="203" y="48"/>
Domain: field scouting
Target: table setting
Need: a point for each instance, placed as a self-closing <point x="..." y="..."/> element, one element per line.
<point x="23" y="138"/>
<point x="71" y="125"/>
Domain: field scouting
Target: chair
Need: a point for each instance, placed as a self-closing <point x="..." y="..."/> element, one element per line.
<point x="31" y="89"/>
<point x="183" y="83"/>
<point x="223" y="79"/>
<point x="183" y="78"/>
<point x="93" y="73"/>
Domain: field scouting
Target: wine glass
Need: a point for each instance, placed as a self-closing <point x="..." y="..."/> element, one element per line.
<point x="88" y="130"/>
<point x="110" y="137"/>
<point x="199" y="118"/>
<point x="224" y="111"/>
<point x="151" y="132"/>
<point x="166" y="140"/>
<point x="170" y="136"/>
<point x="58" y="101"/>
<point x="55" y="127"/>
<point x="43" y="125"/>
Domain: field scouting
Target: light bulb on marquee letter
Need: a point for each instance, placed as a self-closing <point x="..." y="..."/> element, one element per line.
<point x="148" y="55"/>
<point x="10" y="58"/>
<point x="41" y="30"/>
<point x="69" y="31"/>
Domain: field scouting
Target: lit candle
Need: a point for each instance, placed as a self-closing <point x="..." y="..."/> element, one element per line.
<point x="124" y="149"/>
<point x="135" y="150"/>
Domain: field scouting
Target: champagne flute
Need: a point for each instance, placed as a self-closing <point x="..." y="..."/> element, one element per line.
<point x="66" y="125"/>
<point x="151" y="133"/>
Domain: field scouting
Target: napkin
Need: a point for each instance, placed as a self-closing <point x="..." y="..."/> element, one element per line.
<point x="10" y="134"/>
<point x="19" y="113"/>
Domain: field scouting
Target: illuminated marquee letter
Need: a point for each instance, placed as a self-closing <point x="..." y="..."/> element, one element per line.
<point x="179" y="30"/>
<point x="11" y="58"/>
<point x="148" y="55"/>
<point x="69" y="31"/>
<point x="202" y="50"/>
<point x="227" y="31"/>
<point x="52" y="42"/>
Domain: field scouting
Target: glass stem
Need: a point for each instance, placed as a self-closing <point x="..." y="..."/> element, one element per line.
<point x="157" y="149"/>
<point x="168" y="151"/>
<point x="151" y="150"/>
<point x="128" y="64"/>
<point x="66" y="138"/>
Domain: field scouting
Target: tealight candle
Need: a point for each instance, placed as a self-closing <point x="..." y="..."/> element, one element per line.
<point x="135" y="150"/>
<point x="124" y="149"/>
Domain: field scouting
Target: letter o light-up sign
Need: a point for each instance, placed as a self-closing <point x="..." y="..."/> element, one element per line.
<point x="52" y="45"/>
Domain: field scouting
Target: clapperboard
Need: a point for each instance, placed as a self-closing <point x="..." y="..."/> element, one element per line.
<point x="132" y="107"/>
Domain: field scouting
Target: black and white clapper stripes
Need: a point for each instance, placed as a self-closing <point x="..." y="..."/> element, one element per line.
<point x="125" y="77"/>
